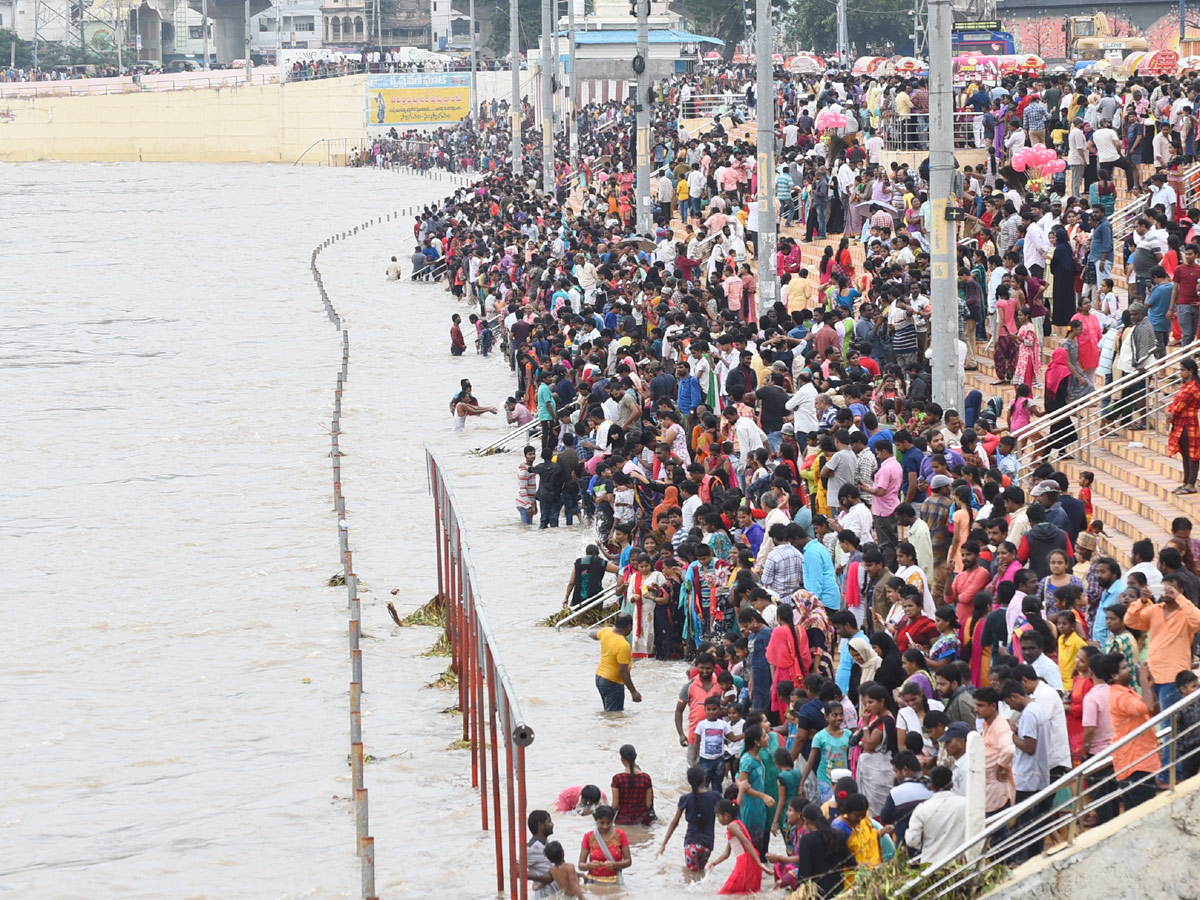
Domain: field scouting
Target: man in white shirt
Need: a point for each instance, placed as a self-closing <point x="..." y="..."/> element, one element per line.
<point x="1163" y="193"/>
<point x="1077" y="155"/>
<point x="748" y="435"/>
<point x="1050" y="700"/>
<point x="874" y="146"/>
<point x="1035" y="247"/>
<point x="803" y="405"/>
<point x="1107" y="144"/>
<point x="790" y="134"/>
<point x="855" y="515"/>
<point x="938" y="826"/>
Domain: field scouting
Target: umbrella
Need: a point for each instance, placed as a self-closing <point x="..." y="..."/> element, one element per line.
<point x="908" y="65"/>
<point x="712" y="55"/>
<point x="1160" y="62"/>
<point x="640" y="243"/>
<point x="864" y="65"/>
<point x="975" y="68"/>
<point x="1030" y="63"/>
<point x="777" y="57"/>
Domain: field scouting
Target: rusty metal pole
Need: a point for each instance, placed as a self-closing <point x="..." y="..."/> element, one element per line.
<point x="368" y="868"/>
<point x="356" y="765"/>
<point x="480" y="733"/>
<point x="512" y="800"/>
<point x="361" y="825"/>
<point x="498" y="829"/>
<point x="522" y="873"/>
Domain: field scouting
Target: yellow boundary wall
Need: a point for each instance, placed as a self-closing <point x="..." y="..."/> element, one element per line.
<point x="270" y="123"/>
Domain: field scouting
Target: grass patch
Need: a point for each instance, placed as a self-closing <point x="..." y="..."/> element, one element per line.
<point x="445" y="681"/>
<point x="589" y="618"/>
<point x="441" y="647"/>
<point x="432" y="614"/>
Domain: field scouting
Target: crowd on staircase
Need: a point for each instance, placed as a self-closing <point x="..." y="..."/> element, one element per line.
<point x="859" y="575"/>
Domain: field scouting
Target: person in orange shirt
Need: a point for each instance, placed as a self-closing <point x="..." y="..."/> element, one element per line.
<point x="1172" y="624"/>
<point x="1136" y="762"/>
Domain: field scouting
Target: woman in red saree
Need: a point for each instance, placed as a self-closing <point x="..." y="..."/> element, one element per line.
<point x="788" y="655"/>
<point x="1185" y="429"/>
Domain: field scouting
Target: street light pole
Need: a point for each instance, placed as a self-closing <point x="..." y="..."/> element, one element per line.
<point x="204" y="16"/>
<point x="514" y="49"/>
<point x="573" y="106"/>
<point x="768" y="291"/>
<point x="547" y="103"/>
<point x="248" y="77"/>
<point x="645" y="216"/>
<point x="943" y="334"/>
<point x="474" y="68"/>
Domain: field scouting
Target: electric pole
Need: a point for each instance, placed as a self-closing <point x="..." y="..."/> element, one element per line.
<point x="204" y="16"/>
<point x="37" y="14"/>
<point x="248" y="42"/>
<point x="474" y="68"/>
<point x="645" y="214"/>
<point x="547" y="103"/>
<point x="768" y="291"/>
<point x="843" y="41"/>
<point x="554" y="77"/>
<point x="514" y="50"/>
<point x="573" y="105"/>
<point x="943" y="335"/>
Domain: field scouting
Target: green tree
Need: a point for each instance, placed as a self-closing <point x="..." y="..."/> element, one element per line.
<point x="723" y="19"/>
<point x="812" y="24"/>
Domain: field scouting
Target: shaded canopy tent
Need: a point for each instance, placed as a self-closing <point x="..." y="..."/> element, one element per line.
<point x="1159" y="62"/>
<point x="804" y="63"/>
<point x="968" y="68"/>
<point x="867" y="65"/>
<point x="1189" y="62"/>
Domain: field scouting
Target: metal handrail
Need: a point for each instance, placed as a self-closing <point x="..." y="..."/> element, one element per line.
<point x="935" y="882"/>
<point x="520" y="432"/>
<point x="431" y="272"/>
<point x="609" y="593"/>
<point x="1123" y="219"/>
<point x="1108" y="392"/>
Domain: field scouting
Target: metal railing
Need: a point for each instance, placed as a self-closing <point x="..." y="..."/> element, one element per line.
<point x="364" y="843"/>
<point x="1123" y="219"/>
<point x="1049" y="823"/>
<point x="521" y="432"/>
<point x="1138" y="398"/>
<point x="610" y="593"/>
<point x="487" y="699"/>
<point x="911" y="132"/>
<point x="705" y="106"/>
<point x="129" y="84"/>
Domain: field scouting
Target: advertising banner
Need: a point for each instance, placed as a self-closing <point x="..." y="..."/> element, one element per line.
<point x="418" y="99"/>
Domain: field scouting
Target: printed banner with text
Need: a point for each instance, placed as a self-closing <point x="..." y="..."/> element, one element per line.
<point x="418" y="99"/>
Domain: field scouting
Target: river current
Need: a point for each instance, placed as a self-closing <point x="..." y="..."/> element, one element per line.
<point x="174" y="690"/>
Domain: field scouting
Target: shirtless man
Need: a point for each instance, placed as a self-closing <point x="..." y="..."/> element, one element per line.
<point x="464" y="404"/>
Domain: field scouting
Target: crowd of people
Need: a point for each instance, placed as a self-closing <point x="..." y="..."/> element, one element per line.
<point x="858" y="577"/>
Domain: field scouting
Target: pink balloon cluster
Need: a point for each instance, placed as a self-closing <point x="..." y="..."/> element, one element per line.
<point x="1040" y="158"/>
<point x="827" y="119"/>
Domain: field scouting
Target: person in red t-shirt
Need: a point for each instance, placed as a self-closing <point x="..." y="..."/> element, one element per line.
<point x="1183" y="295"/>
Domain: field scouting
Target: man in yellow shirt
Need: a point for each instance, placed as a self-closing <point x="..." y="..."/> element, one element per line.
<point x="612" y="675"/>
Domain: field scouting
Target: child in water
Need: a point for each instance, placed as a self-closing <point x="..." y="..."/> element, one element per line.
<point x="699" y="807"/>
<point x="746" y="877"/>
<point x="565" y="879"/>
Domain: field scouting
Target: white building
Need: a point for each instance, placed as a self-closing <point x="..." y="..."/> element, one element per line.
<point x="301" y="27"/>
<point x="54" y="19"/>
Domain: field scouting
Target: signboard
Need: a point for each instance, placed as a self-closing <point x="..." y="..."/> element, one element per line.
<point x="417" y="99"/>
<point x="976" y="26"/>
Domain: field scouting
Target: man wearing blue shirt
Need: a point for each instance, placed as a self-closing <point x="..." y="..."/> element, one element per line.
<point x="1112" y="586"/>
<point x="1158" y="306"/>
<point x="1100" y="252"/>
<point x="819" y="576"/>
<point x="688" y="397"/>
<point x="847" y="630"/>
<point x="546" y="410"/>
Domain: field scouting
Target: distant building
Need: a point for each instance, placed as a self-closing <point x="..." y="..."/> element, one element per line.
<point x="349" y="25"/>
